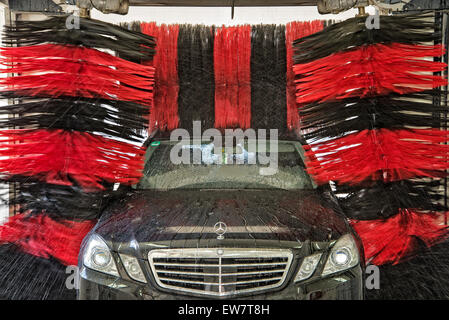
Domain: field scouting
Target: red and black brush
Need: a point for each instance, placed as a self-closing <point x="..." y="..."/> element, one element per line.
<point x="365" y="99"/>
<point x="164" y="114"/>
<point x="296" y="30"/>
<point x="67" y="149"/>
<point x="224" y="77"/>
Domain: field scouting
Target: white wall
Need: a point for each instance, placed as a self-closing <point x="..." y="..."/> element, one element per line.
<point x="222" y="15"/>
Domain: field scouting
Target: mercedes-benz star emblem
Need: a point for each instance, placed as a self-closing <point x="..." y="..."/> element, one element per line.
<point x="220" y="229"/>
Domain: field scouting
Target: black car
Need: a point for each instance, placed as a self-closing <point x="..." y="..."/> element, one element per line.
<point x="225" y="230"/>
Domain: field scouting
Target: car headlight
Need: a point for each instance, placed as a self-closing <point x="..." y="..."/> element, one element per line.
<point x="344" y="255"/>
<point x="97" y="256"/>
<point x="308" y="267"/>
<point x="132" y="267"/>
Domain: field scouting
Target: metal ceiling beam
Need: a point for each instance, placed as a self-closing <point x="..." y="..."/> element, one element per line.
<point x="33" y="6"/>
<point x="222" y="3"/>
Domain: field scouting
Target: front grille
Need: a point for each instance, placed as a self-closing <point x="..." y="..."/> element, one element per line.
<point x="220" y="272"/>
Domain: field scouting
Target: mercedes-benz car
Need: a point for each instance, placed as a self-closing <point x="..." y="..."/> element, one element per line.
<point x="223" y="229"/>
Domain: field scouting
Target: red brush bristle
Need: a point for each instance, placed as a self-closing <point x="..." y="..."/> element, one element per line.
<point x="369" y="70"/>
<point x="391" y="240"/>
<point x="244" y="76"/>
<point x="295" y="30"/>
<point x="44" y="237"/>
<point x="164" y="114"/>
<point x="232" y="56"/>
<point x="386" y="155"/>
<point x="220" y="89"/>
<point x="59" y="70"/>
<point x="58" y="157"/>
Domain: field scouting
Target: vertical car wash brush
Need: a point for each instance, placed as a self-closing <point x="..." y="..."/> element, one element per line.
<point x="83" y="105"/>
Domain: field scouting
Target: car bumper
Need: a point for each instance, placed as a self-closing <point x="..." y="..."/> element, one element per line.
<point x="343" y="286"/>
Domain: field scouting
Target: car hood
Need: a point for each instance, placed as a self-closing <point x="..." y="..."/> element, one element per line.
<point x="252" y="215"/>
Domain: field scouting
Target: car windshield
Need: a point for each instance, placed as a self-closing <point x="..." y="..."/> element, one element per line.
<point x="205" y="167"/>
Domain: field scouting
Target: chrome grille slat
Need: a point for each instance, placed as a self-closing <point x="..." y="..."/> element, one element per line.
<point x="219" y="284"/>
<point x="223" y="265"/>
<point x="188" y="281"/>
<point x="222" y="274"/>
<point x="233" y="272"/>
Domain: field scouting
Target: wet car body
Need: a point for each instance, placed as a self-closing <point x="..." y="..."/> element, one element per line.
<point x="258" y="223"/>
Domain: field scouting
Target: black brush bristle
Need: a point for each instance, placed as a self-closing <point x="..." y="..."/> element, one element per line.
<point x="268" y="77"/>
